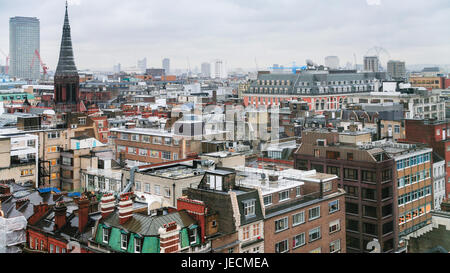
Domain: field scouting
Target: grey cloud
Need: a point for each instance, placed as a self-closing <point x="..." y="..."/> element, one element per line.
<point x="272" y="31"/>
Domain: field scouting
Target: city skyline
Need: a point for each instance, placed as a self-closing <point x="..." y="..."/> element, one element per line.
<point x="262" y="32"/>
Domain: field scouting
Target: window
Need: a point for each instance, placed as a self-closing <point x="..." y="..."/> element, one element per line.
<point x="281" y="247"/>
<point x="82" y="121"/>
<point x="335" y="226"/>
<point x="143" y="152"/>
<point x="105" y="235"/>
<point x="154" y="154"/>
<point x="299" y="240"/>
<point x="335" y="246"/>
<point x="166" y="192"/>
<point x="297" y="191"/>
<point x="369" y="211"/>
<point x="284" y="195"/>
<point x="157" y="190"/>
<point x="314" y="213"/>
<point x="146" y="139"/>
<point x="333" y="206"/>
<point x="370" y="194"/>
<point x="57" y="249"/>
<point x="134" y="137"/>
<point x="333" y="170"/>
<point x="147" y="187"/>
<point x="281" y="224"/>
<point x="327" y="186"/>
<point x="137" y="245"/>
<point x="67" y="161"/>
<point x="351" y="174"/>
<point x="175" y="156"/>
<point x="246" y="233"/>
<point x="352" y="225"/>
<point x="256" y="230"/>
<point x="314" y="234"/>
<point x="52" y="149"/>
<point x="369" y="229"/>
<point x="349" y="156"/>
<point x="166" y="155"/>
<point x="132" y="150"/>
<point x="369" y="176"/>
<point x="157" y="140"/>
<point x="123" y="241"/>
<point x="124" y="136"/>
<point x="298" y="218"/>
<point x="167" y="141"/>
<point x="351" y="208"/>
<point x="249" y="208"/>
<point x="351" y="191"/>
<point x="267" y="200"/>
<point x="53" y="135"/>
<point x="51" y="248"/>
<point x="137" y="186"/>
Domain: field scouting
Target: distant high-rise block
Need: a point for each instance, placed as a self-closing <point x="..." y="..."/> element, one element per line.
<point x="332" y="62"/>
<point x="166" y="65"/>
<point x="24" y="40"/>
<point x="142" y="64"/>
<point x="218" y="69"/>
<point x="206" y="70"/>
<point x="371" y="64"/>
<point x="396" y="70"/>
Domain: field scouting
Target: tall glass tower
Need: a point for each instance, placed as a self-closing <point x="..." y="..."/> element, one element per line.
<point x="24" y="40"/>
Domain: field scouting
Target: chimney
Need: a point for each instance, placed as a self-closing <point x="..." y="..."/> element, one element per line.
<point x="125" y="208"/>
<point x="169" y="238"/>
<point x="83" y="212"/>
<point x="60" y="215"/>
<point x="107" y="204"/>
<point x="57" y="195"/>
<point x="20" y="202"/>
<point x="4" y="189"/>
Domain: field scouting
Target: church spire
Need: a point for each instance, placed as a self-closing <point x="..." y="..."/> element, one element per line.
<point x="66" y="64"/>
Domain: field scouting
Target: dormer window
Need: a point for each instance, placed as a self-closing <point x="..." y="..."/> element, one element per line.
<point x="249" y="208"/>
<point x="106" y="235"/>
<point x="123" y="241"/>
<point x="137" y="245"/>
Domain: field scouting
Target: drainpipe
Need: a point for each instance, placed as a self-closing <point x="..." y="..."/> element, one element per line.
<point x="321" y="189"/>
<point x="174" y="194"/>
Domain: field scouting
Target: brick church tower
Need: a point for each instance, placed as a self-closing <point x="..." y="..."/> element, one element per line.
<point x="67" y="80"/>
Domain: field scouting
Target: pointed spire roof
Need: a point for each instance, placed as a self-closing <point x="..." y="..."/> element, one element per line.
<point x="66" y="64"/>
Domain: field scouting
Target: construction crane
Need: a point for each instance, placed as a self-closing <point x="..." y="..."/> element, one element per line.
<point x="7" y="60"/>
<point x="44" y="67"/>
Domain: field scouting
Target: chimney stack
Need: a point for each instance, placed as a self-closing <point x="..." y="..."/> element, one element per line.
<point x="107" y="204"/>
<point x="83" y="212"/>
<point x="60" y="215"/>
<point x="169" y="238"/>
<point x="125" y="208"/>
<point x="4" y="189"/>
<point x="20" y="202"/>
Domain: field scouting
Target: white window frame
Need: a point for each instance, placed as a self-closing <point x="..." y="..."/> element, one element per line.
<point x="137" y="245"/>
<point x="123" y="241"/>
<point x="286" y="225"/>
<point x="312" y="231"/>
<point x="330" y="206"/>
<point x="337" y="224"/>
<point x="249" y="208"/>
<point x="105" y="235"/>
<point x="287" y="246"/>
<point x="315" y="217"/>
<point x="300" y="222"/>
<point x="334" y="243"/>
<point x="282" y="193"/>
<point x="296" y="245"/>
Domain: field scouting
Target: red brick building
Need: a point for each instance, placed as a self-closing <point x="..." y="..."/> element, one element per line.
<point x="437" y="135"/>
<point x="56" y="229"/>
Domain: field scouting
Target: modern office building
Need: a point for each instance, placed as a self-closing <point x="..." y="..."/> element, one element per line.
<point x="371" y="64"/>
<point x="166" y="65"/>
<point x="206" y="70"/>
<point x="24" y="40"/>
<point x="142" y="65"/>
<point x="396" y="70"/>
<point x="218" y="69"/>
<point x="367" y="174"/>
<point x="332" y="62"/>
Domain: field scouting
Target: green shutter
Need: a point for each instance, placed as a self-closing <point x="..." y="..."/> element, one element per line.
<point x="151" y="245"/>
<point x="184" y="237"/>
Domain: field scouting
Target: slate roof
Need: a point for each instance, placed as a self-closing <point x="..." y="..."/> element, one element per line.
<point x="148" y="225"/>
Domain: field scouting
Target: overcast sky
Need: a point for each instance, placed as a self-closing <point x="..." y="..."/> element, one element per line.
<point x="106" y="32"/>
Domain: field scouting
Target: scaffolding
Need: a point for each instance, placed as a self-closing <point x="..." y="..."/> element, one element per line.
<point x="12" y="234"/>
